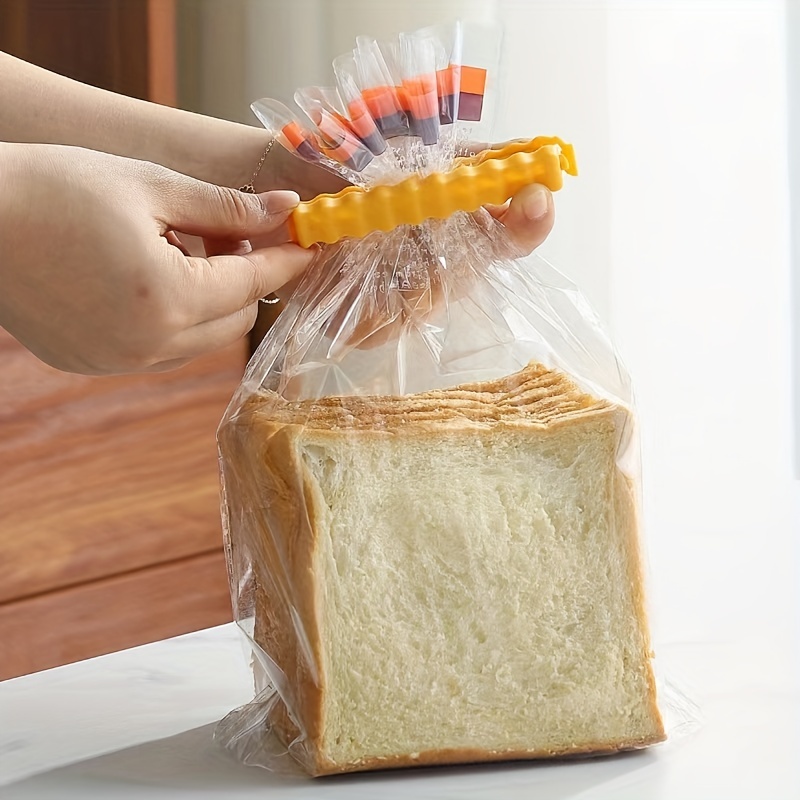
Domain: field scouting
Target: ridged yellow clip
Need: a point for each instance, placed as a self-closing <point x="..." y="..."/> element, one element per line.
<point x="491" y="177"/>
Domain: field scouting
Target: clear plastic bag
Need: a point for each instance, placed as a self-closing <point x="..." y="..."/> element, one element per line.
<point x="430" y="479"/>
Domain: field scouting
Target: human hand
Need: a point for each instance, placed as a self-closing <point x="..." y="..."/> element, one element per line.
<point x="94" y="279"/>
<point x="528" y="219"/>
<point x="528" y="223"/>
<point x="379" y="285"/>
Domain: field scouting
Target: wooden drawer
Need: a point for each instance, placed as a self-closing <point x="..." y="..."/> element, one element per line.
<point x="112" y="614"/>
<point x="104" y="479"/>
<point x="106" y="475"/>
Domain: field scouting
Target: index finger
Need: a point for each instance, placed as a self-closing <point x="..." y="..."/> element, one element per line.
<point x="224" y="284"/>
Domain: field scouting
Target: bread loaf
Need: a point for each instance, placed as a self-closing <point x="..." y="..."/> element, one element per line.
<point x="445" y="577"/>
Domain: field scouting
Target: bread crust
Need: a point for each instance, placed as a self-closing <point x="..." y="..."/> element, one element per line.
<point x="279" y="543"/>
<point x="468" y="755"/>
<point x="534" y="397"/>
<point x="267" y="434"/>
<point x="627" y="509"/>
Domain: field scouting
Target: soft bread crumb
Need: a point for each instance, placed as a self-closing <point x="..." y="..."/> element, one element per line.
<point x="461" y="580"/>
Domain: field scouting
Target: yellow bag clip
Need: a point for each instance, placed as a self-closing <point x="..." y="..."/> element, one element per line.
<point x="490" y="177"/>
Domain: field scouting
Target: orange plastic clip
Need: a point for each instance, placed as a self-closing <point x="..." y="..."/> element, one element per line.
<point x="490" y="177"/>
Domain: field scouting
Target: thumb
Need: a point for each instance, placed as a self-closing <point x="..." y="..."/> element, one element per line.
<point x="217" y="212"/>
<point x="529" y="217"/>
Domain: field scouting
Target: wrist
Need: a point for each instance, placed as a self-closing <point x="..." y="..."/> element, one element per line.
<point x="226" y="153"/>
<point x="255" y="179"/>
<point x="206" y="148"/>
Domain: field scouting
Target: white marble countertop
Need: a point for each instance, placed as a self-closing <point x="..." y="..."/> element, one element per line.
<point x="139" y="724"/>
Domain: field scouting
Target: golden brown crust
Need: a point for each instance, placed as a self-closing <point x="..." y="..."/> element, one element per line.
<point x="625" y="507"/>
<point x="280" y="541"/>
<point x="476" y="756"/>
<point x="533" y="396"/>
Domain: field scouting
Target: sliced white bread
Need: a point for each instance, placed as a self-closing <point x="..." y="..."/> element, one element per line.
<point x="446" y="577"/>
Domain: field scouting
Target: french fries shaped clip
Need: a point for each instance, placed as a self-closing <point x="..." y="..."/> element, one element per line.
<point x="491" y="177"/>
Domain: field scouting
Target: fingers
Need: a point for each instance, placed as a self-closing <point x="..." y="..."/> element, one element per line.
<point x="175" y="241"/>
<point x="166" y="366"/>
<point x="218" y="305"/>
<point x="216" y="212"/>
<point x="208" y="337"/>
<point x="278" y="235"/>
<point x="209" y="303"/>
<point x="528" y="218"/>
<point x="225" y="284"/>
<point x="226" y="247"/>
<point x="472" y="148"/>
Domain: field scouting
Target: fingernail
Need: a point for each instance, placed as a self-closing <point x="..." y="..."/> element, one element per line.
<point x="280" y="201"/>
<point x="537" y="204"/>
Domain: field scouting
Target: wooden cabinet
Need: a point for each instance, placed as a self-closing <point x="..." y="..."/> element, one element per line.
<point x="109" y="514"/>
<point x="127" y="46"/>
<point x="109" y="519"/>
